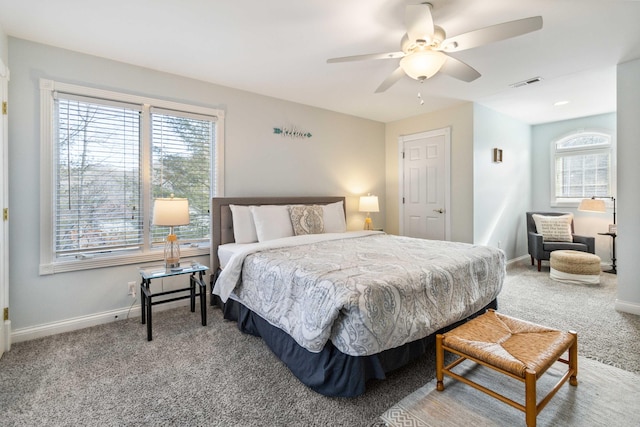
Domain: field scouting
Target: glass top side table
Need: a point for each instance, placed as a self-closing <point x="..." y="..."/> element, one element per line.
<point x="196" y="283"/>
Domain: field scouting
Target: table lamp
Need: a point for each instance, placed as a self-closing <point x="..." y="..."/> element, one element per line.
<point x="171" y="212"/>
<point x="369" y="204"/>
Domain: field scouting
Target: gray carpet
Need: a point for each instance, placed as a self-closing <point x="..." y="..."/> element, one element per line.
<point x="590" y="404"/>
<point x="604" y="334"/>
<point x="215" y="376"/>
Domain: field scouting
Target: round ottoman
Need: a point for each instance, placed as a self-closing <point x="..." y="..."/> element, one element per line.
<point x="575" y="267"/>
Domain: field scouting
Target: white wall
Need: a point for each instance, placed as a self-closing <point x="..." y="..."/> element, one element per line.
<point x="488" y="200"/>
<point x="460" y="119"/>
<point x="502" y="191"/>
<point x="585" y="223"/>
<point x="345" y="156"/>
<point x="628" y="92"/>
<point x="4" y="47"/>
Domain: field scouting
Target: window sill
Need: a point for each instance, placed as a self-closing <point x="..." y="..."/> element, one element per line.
<point x="115" y="260"/>
<point x="566" y="202"/>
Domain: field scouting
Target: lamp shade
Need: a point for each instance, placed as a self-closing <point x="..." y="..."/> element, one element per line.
<point x="422" y="64"/>
<point x="171" y="212"/>
<point x="592" y="205"/>
<point x="369" y="204"/>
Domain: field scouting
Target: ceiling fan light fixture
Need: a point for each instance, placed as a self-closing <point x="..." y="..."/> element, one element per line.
<point x="425" y="47"/>
<point x="423" y="64"/>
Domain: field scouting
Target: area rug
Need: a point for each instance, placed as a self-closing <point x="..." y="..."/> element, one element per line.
<point x="605" y="395"/>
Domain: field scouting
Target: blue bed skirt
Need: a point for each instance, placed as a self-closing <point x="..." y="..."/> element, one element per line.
<point x="331" y="372"/>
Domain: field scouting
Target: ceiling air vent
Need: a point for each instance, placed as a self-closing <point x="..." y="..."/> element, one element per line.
<point x="526" y="82"/>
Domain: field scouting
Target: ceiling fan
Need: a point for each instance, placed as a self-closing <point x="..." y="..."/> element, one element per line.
<point x="425" y="48"/>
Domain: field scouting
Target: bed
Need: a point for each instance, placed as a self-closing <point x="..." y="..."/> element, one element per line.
<point x="340" y="308"/>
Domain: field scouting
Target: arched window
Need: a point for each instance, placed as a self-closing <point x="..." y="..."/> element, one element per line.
<point x="583" y="166"/>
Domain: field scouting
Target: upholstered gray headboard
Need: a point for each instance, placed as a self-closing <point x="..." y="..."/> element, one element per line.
<point x="222" y="221"/>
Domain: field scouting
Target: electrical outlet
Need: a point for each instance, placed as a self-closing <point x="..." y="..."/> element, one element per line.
<point x="499" y="244"/>
<point x="132" y="289"/>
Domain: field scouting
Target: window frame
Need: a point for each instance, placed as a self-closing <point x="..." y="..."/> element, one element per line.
<point x="573" y="202"/>
<point x="49" y="263"/>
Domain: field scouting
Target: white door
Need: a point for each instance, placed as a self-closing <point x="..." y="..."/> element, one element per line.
<point x="424" y="210"/>
<point x="5" y="328"/>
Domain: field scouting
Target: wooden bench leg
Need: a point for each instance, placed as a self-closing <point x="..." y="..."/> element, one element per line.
<point x="531" y="404"/>
<point x="439" y="363"/>
<point x="573" y="359"/>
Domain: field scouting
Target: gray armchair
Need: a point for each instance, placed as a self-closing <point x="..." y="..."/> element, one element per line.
<point x="541" y="251"/>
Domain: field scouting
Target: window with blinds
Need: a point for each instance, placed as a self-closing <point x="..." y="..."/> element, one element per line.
<point x="97" y="177"/>
<point x="583" y="166"/>
<point x="108" y="171"/>
<point x="180" y="165"/>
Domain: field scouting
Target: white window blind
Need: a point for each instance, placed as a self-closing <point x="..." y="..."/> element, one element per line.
<point x="583" y="166"/>
<point x="97" y="206"/>
<point x="105" y="156"/>
<point x="180" y="165"/>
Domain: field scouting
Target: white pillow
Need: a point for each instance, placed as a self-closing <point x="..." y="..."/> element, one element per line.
<point x="554" y="228"/>
<point x="244" y="230"/>
<point x="334" y="221"/>
<point x="272" y="222"/>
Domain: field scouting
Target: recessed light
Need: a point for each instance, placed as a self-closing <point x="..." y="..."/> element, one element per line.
<point x="560" y="103"/>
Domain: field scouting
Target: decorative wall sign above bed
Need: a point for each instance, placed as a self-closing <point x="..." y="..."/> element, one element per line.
<point x="291" y="132"/>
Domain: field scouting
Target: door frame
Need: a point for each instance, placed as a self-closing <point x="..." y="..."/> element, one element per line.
<point x="5" y="326"/>
<point x="446" y="133"/>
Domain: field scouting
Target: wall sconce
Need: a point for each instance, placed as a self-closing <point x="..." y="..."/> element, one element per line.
<point x="497" y="155"/>
<point x="171" y="212"/>
<point x="369" y="204"/>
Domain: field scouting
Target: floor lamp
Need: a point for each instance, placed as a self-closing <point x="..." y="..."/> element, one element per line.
<point x="596" y="204"/>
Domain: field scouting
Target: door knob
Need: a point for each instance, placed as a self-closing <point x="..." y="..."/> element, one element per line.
<point x="439" y="210"/>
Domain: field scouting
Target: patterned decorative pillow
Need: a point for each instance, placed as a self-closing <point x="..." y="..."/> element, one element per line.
<point x="306" y="219"/>
<point x="554" y="228"/>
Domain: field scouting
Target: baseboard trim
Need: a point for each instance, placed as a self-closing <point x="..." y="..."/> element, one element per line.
<point x="627" y="307"/>
<point x="603" y="265"/>
<point x="81" y="322"/>
<point x="513" y="261"/>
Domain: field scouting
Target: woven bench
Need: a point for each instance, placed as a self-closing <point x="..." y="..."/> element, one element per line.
<point x="519" y="349"/>
<point x="574" y="267"/>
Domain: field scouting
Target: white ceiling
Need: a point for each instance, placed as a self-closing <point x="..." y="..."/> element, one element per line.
<point x="279" y="48"/>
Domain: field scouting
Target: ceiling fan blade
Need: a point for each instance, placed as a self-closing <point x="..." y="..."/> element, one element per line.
<point x="419" y="22"/>
<point x="388" y="55"/>
<point x="458" y="69"/>
<point x="391" y="80"/>
<point x="491" y="34"/>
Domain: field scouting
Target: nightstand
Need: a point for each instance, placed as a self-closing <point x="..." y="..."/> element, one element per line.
<point x="158" y="272"/>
